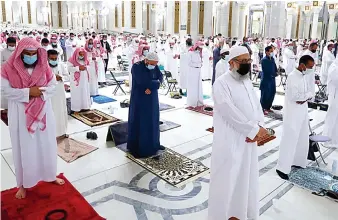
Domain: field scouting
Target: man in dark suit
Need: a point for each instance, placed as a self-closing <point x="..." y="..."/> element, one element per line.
<point x="106" y="46"/>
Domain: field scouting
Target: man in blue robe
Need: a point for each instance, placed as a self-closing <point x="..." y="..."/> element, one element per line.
<point x="268" y="81"/>
<point x="144" y="115"/>
<point x="216" y="58"/>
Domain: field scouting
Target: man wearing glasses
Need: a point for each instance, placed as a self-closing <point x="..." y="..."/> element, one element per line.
<point x="238" y="120"/>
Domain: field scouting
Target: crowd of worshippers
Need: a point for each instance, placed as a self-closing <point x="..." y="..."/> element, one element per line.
<point x="35" y="66"/>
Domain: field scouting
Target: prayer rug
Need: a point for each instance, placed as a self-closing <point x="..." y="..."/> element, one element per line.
<point x="4" y="116"/>
<point x="210" y="129"/>
<point x="313" y="179"/>
<point x="164" y="107"/>
<point x="69" y="105"/>
<point x="70" y="149"/>
<point x="101" y="99"/>
<point x="168" y="125"/>
<point x="201" y="109"/>
<point x="94" y="118"/>
<point x="47" y="201"/>
<point x="172" y="167"/>
<point x="123" y="147"/>
<point x="275" y="115"/>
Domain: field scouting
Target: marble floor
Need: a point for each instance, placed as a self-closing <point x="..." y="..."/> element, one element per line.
<point x="120" y="189"/>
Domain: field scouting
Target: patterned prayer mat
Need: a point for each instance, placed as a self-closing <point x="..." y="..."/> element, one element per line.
<point x="164" y="107"/>
<point x="123" y="147"/>
<point x="313" y="179"/>
<point x="101" y="99"/>
<point x="47" y="201"/>
<point x="172" y="167"/>
<point x="4" y="116"/>
<point x="70" y="149"/>
<point x="201" y="109"/>
<point x="275" y="115"/>
<point x="168" y="125"/>
<point x="94" y="118"/>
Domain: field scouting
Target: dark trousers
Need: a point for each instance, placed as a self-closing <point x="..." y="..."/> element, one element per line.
<point x="64" y="55"/>
<point x="260" y="56"/>
<point x="105" y="65"/>
<point x="268" y="92"/>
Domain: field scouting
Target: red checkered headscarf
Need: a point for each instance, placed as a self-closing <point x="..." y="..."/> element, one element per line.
<point x="75" y="61"/>
<point x="18" y="77"/>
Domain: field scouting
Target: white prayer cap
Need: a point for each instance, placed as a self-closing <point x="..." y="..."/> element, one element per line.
<point x="224" y="49"/>
<point x="329" y="43"/>
<point x="236" y="51"/>
<point x="152" y="56"/>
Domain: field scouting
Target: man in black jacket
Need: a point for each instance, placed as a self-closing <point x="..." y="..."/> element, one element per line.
<point x="106" y="46"/>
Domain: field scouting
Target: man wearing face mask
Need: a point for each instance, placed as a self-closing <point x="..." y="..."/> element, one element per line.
<point x="59" y="99"/>
<point x="216" y="57"/>
<point x="62" y="42"/>
<point x="45" y="44"/>
<point x="28" y="84"/>
<point x="70" y="45"/>
<point x="310" y="77"/>
<point x="327" y="60"/>
<point x="144" y="116"/>
<point x="294" y="145"/>
<point x="107" y="50"/>
<point x="238" y="120"/>
<point x="222" y="66"/>
<point x="171" y="60"/>
<point x="7" y="52"/>
<point x="289" y="58"/>
<point x="268" y="80"/>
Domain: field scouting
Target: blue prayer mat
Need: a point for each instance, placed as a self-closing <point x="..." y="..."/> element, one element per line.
<point x="312" y="178"/>
<point x="168" y="125"/>
<point x="101" y="99"/>
<point x="204" y="96"/>
<point x="164" y="107"/>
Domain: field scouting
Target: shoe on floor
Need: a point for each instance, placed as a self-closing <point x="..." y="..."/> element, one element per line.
<point x="282" y="175"/>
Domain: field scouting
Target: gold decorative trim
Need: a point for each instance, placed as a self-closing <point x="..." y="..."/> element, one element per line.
<point x="163" y="23"/>
<point x="189" y="18"/>
<point x="246" y="24"/>
<point x="148" y="16"/>
<point x="29" y="12"/>
<point x="230" y="19"/>
<point x="116" y="17"/>
<point x="298" y="22"/>
<point x="289" y="5"/>
<point x="177" y="17"/>
<point x="122" y="6"/>
<point x="133" y="14"/>
<point x="201" y="18"/>
<point x="331" y="6"/>
<point x="315" y="3"/>
<point x="60" y="13"/>
<point x="3" y="8"/>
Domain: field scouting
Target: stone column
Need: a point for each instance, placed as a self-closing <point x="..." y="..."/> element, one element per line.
<point x="289" y="22"/>
<point x="234" y="20"/>
<point x="241" y="25"/>
<point x="330" y="33"/>
<point x="183" y="18"/>
<point x="139" y="10"/>
<point x="218" y="19"/>
<point x="315" y="23"/>
<point x="224" y="19"/>
<point x="194" y="20"/>
<point x="207" y="26"/>
<point x="169" y="26"/>
<point x="8" y="7"/>
<point x="267" y="13"/>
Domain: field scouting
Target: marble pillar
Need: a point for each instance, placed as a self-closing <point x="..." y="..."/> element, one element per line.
<point x="170" y="14"/>
<point x="235" y="19"/>
<point x="301" y="24"/>
<point x="241" y="25"/>
<point x="289" y="23"/>
<point x="194" y="20"/>
<point x="224" y="19"/>
<point x="127" y="14"/>
<point x="153" y="18"/>
<point x="267" y="12"/>
<point x="54" y="18"/>
<point x="315" y="23"/>
<point x="331" y="33"/>
<point x="207" y="26"/>
<point x="139" y="28"/>
<point x="218" y="19"/>
<point x="183" y="18"/>
<point x="307" y="23"/>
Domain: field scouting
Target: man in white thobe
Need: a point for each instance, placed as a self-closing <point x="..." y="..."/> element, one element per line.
<point x="70" y="45"/>
<point x="310" y="78"/>
<point x="194" y="83"/>
<point x="289" y="59"/>
<point x="7" y="52"/>
<point x="294" y="145"/>
<point x="59" y="99"/>
<point x="28" y="85"/>
<point x="171" y="56"/>
<point x="327" y="60"/>
<point x="331" y="121"/>
<point x="222" y="65"/>
<point x="238" y="120"/>
<point x="184" y="65"/>
<point x="206" y="70"/>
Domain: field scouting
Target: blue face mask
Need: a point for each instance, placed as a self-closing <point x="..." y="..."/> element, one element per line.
<point x="30" y="59"/>
<point x="53" y="62"/>
<point x="150" y="67"/>
<point x="90" y="46"/>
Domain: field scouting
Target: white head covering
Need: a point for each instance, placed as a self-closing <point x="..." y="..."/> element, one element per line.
<point x="224" y="50"/>
<point x="152" y="56"/>
<point x="236" y="51"/>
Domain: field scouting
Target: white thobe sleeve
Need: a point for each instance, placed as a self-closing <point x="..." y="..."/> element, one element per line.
<point x="72" y="68"/>
<point x="224" y="105"/>
<point x="295" y="93"/>
<point x="16" y="95"/>
<point x="50" y="89"/>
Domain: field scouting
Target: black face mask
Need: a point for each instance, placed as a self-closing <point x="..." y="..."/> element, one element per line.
<point x="313" y="51"/>
<point x="244" y="68"/>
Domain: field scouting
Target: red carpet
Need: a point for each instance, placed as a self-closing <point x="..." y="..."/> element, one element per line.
<point x="45" y="198"/>
<point x="201" y="109"/>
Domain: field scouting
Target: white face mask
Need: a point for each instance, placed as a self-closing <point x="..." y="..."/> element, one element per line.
<point x="11" y="48"/>
<point x="308" y="71"/>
